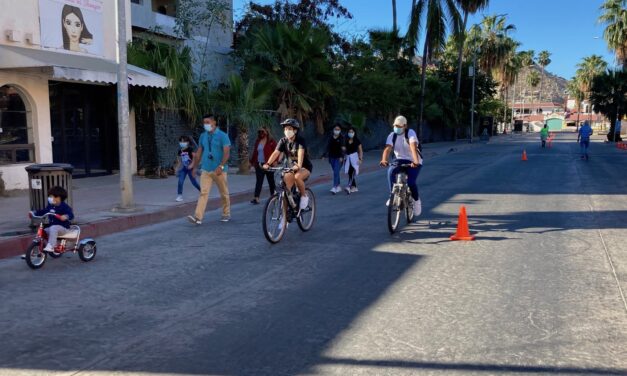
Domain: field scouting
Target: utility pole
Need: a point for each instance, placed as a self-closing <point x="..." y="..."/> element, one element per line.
<point x="124" y="136"/>
<point x="472" y="100"/>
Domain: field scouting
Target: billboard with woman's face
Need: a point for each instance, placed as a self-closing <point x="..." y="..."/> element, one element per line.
<point x="72" y="25"/>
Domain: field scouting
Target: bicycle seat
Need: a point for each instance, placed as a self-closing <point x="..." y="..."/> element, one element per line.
<point x="72" y="234"/>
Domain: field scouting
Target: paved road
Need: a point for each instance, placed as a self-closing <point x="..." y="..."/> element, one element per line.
<point x="539" y="292"/>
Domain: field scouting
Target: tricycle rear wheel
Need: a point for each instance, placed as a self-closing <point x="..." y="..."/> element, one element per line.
<point x="87" y="251"/>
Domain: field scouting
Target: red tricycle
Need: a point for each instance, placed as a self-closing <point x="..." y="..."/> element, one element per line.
<point x="69" y="242"/>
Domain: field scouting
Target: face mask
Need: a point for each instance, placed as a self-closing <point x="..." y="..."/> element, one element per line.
<point x="398" y="130"/>
<point x="209" y="127"/>
<point x="183" y="145"/>
<point x="351" y="135"/>
<point x="337" y="133"/>
<point x="289" y="133"/>
<point x="51" y="200"/>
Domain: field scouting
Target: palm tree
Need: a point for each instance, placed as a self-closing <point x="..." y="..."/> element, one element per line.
<point x="491" y="39"/>
<point x="533" y="79"/>
<point x="544" y="59"/>
<point x="587" y="70"/>
<point x="242" y="103"/>
<point x="608" y="93"/>
<point x="467" y="7"/>
<point x="508" y="72"/>
<point x="435" y="13"/>
<point x="615" y="18"/>
<point x="293" y="60"/>
<point x="574" y="91"/>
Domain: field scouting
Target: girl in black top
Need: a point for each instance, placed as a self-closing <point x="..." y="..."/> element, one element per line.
<point x="354" y="157"/>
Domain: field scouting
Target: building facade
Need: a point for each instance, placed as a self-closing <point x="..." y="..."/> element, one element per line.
<point x="58" y="75"/>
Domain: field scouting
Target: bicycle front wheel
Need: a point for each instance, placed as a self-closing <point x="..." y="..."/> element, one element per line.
<point x="274" y="219"/>
<point x="308" y="216"/>
<point x="394" y="213"/>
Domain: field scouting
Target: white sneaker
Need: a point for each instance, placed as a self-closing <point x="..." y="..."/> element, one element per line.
<point x="304" y="202"/>
<point x="417" y="208"/>
<point x="333" y="190"/>
<point x="179" y="198"/>
<point x="49" y="248"/>
<point x="348" y="190"/>
<point x="387" y="203"/>
<point x="354" y="189"/>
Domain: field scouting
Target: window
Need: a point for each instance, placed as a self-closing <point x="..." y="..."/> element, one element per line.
<point x="165" y="7"/>
<point x="140" y="2"/>
<point x="14" y="133"/>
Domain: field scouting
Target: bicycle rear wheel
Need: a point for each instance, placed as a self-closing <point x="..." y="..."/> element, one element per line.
<point x="308" y="216"/>
<point x="274" y="219"/>
<point x="394" y="213"/>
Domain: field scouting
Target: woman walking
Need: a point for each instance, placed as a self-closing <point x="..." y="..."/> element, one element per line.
<point x="264" y="146"/>
<point x="354" y="157"/>
<point x="335" y="150"/>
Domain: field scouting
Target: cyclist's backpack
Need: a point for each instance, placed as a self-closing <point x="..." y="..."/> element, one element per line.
<point x="418" y="149"/>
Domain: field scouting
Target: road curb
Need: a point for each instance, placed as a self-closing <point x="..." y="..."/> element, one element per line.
<point x="15" y="246"/>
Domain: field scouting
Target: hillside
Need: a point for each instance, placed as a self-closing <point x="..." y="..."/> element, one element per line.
<point x="553" y="87"/>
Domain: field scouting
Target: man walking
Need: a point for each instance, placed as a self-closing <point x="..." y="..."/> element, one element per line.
<point x="584" y="139"/>
<point x="213" y="154"/>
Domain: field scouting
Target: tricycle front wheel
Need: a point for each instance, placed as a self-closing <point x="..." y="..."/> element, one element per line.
<point x="35" y="255"/>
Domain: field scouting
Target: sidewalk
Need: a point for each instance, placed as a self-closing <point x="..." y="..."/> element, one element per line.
<point x="94" y="198"/>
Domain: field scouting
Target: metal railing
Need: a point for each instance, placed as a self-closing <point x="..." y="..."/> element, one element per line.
<point x="12" y="150"/>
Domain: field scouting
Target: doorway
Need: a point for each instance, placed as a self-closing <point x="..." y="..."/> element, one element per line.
<point x="84" y="127"/>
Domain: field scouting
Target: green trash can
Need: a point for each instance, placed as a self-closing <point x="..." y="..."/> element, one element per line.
<point x="42" y="177"/>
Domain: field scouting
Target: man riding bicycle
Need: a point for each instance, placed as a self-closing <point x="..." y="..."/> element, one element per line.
<point x="404" y="142"/>
<point x="294" y="147"/>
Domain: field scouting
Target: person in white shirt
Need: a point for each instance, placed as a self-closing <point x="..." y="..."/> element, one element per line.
<point x="404" y="142"/>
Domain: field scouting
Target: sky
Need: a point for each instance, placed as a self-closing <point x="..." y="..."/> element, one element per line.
<point x="566" y="28"/>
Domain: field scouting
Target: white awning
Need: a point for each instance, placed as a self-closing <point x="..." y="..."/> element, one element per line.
<point x="76" y="67"/>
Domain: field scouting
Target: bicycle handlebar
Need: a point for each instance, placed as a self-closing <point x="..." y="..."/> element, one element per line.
<point x="57" y="216"/>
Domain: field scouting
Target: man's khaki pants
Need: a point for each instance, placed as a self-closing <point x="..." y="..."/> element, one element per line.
<point x="206" y="181"/>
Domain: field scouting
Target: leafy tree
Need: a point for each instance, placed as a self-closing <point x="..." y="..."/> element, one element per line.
<point x="574" y="91"/>
<point x="587" y="70"/>
<point x="608" y="94"/>
<point x="198" y="17"/>
<point x="533" y="79"/>
<point x="615" y="19"/>
<point x="435" y="14"/>
<point x="467" y="7"/>
<point x="544" y="59"/>
<point x="242" y="103"/>
<point x="293" y="61"/>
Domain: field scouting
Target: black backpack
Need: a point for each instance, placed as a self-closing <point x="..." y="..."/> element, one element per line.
<point x="419" y="149"/>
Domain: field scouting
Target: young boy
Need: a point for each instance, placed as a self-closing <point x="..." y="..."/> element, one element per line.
<point x="184" y="166"/>
<point x="56" y="205"/>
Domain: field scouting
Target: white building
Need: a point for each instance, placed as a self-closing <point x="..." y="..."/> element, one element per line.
<point x="58" y="64"/>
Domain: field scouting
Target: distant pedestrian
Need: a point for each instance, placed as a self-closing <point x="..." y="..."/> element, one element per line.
<point x="264" y="147"/>
<point x="354" y="158"/>
<point x="544" y="135"/>
<point x="584" y="139"/>
<point x="335" y="151"/>
<point x="214" y="148"/>
<point x="185" y="165"/>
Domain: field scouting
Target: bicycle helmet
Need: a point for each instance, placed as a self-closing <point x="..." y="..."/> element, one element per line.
<point x="291" y="123"/>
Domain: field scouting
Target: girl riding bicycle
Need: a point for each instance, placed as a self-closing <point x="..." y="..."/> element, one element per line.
<point x="293" y="146"/>
<point x="404" y="143"/>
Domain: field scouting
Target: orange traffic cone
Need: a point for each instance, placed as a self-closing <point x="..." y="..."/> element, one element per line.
<point x="524" y="156"/>
<point x="462" y="227"/>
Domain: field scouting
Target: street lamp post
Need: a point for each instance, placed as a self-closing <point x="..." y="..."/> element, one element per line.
<point x="126" y="175"/>
<point x="473" y="72"/>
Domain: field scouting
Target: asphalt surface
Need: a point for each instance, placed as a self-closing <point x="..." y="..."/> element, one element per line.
<point x="541" y="290"/>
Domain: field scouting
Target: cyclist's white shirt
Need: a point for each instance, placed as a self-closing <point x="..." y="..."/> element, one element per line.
<point x="402" y="150"/>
